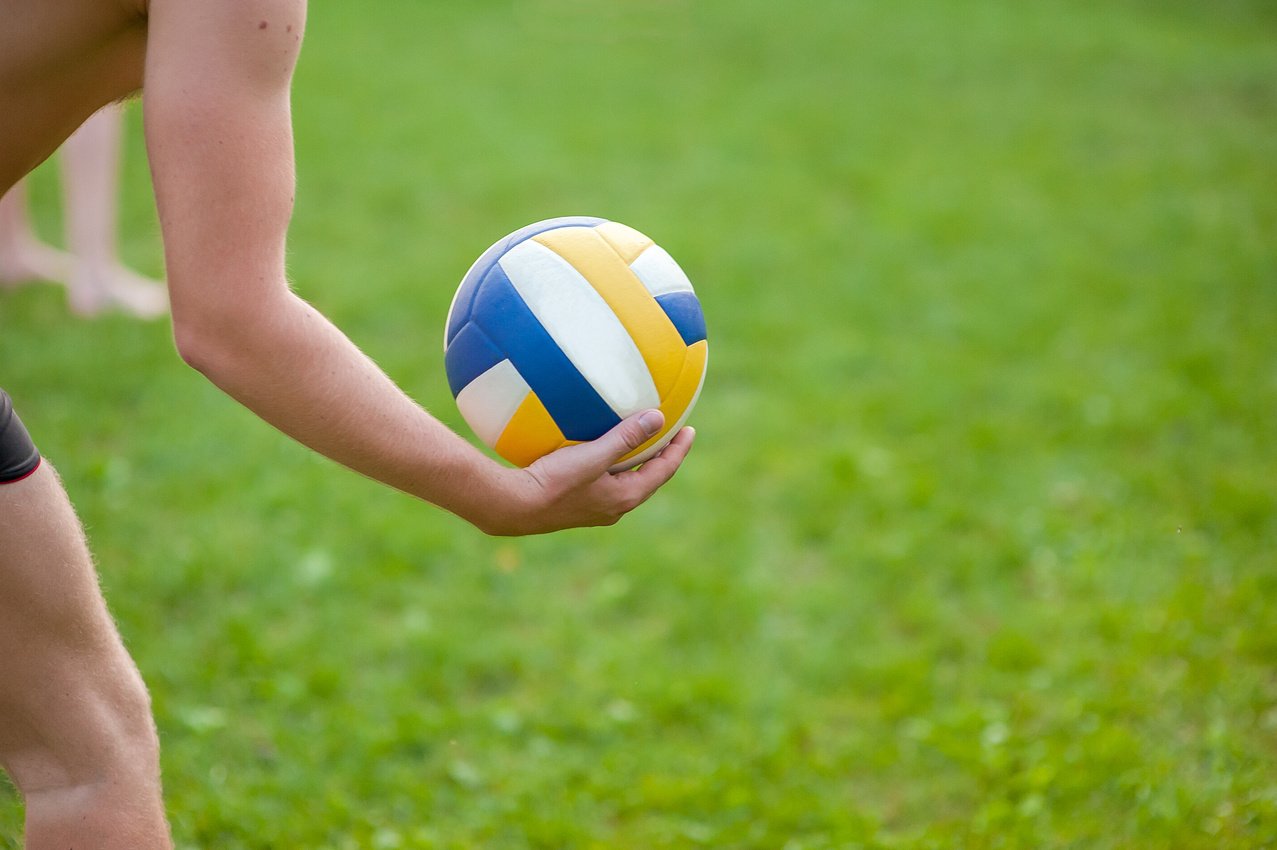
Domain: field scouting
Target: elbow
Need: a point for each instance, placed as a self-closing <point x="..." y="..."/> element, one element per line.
<point x="209" y="342"/>
<point x="220" y="340"/>
<point x="195" y="345"/>
<point x="220" y="324"/>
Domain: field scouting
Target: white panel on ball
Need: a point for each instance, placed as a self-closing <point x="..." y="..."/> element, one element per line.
<point x="583" y="326"/>
<point x="659" y="273"/>
<point x="488" y="402"/>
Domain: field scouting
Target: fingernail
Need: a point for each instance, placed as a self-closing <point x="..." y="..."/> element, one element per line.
<point x="652" y="421"/>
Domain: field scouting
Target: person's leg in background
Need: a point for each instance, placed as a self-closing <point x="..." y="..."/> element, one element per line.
<point x="23" y="257"/>
<point x="95" y="278"/>
<point x="90" y="182"/>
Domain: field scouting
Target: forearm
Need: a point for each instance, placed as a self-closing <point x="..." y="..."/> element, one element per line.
<point x="288" y="364"/>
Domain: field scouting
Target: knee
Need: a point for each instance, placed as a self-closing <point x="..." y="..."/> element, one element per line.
<point x="114" y="801"/>
<point x="105" y="736"/>
<point x="130" y="740"/>
<point x="101" y="782"/>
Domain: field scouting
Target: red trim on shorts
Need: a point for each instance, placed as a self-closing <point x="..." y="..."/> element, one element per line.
<point x="24" y="476"/>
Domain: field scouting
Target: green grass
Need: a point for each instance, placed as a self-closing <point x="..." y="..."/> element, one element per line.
<point x="978" y="545"/>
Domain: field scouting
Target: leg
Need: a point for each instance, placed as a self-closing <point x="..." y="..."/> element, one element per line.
<point x="90" y="171"/>
<point x="23" y="257"/>
<point x="76" y="734"/>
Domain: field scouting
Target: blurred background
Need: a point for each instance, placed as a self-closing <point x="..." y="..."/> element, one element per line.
<point x="978" y="543"/>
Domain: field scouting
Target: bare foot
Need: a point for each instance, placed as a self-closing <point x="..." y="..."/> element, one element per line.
<point x="25" y="260"/>
<point x="93" y="291"/>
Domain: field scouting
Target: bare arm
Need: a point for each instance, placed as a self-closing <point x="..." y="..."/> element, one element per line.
<point x="219" y="134"/>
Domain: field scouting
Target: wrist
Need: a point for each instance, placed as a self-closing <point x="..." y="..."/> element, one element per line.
<point x="494" y="498"/>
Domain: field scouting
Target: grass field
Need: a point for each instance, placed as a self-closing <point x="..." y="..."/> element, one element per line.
<point x="978" y="544"/>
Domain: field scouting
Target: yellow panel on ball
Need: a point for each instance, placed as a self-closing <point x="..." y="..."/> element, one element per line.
<point x="676" y="404"/>
<point x="627" y="242"/>
<point x="654" y="335"/>
<point x="530" y="433"/>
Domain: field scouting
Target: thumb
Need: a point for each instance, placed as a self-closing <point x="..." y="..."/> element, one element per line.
<point x="625" y="438"/>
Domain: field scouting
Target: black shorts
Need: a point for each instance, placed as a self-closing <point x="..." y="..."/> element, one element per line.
<point x="18" y="455"/>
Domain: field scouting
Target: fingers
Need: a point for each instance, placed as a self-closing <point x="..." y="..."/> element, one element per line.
<point x="652" y="475"/>
<point x="574" y="488"/>
<point x="603" y="453"/>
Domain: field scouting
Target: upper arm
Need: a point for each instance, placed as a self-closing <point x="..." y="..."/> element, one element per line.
<point x="219" y="138"/>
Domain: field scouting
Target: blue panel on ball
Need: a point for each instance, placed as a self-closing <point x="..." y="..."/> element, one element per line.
<point x="462" y="302"/>
<point x="469" y="285"/>
<point x="469" y="355"/>
<point x="684" y="310"/>
<point x="505" y="318"/>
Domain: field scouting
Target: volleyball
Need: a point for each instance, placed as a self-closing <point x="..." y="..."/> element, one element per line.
<point x="567" y="326"/>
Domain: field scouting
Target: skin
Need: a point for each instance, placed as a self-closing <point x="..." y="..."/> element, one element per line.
<point x="75" y="728"/>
